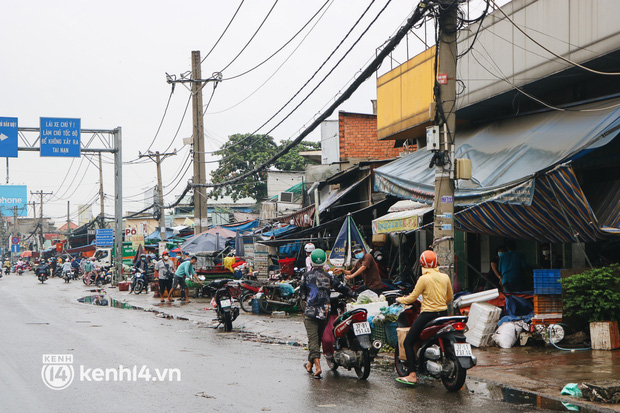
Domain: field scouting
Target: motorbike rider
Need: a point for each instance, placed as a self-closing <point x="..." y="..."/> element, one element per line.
<point x="367" y="267"/>
<point x="66" y="267"/>
<point x="315" y="288"/>
<point x="436" y="290"/>
<point x="165" y="271"/>
<point x="43" y="268"/>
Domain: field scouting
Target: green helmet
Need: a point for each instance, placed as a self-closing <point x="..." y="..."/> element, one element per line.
<point x="318" y="257"/>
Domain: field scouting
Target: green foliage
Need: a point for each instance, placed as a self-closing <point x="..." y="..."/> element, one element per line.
<point x="594" y="294"/>
<point x="244" y="152"/>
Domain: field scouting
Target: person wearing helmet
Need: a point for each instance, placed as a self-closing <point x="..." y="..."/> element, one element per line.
<point x="315" y="289"/>
<point x="436" y="290"/>
<point x="367" y="267"/>
<point x="165" y="272"/>
<point x="309" y="248"/>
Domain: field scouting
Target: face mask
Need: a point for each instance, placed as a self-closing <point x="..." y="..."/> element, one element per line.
<point x="359" y="255"/>
<point x="546" y="253"/>
<point x="165" y="258"/>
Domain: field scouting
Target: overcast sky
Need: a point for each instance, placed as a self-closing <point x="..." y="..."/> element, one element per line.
<point x="105" y="63"/>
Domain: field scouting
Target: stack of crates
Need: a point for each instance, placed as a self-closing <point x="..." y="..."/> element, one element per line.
<point x="547" y="297"/>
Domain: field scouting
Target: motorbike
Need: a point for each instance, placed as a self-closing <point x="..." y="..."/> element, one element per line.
<point x="223" y="302"/>
<point x="43" y="275"/>
<point x="442" y="350"/>
<point x="19" y="269"/>
<point x="248" y="292"/>
<point x="7" y="270"/>
<point x="347" y="339"/>
<point x="279" y="296"/>
<point x="67" y="275"/>
<point x="139" y="281"/>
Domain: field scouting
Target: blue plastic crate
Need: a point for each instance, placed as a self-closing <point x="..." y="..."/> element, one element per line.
<point x="547" y="282"/>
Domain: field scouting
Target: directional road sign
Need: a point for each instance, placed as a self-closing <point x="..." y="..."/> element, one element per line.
<point x="60" y="137"/>
<point x="105" y="237"/>
<point x="8" y="137"/>
<point x="14" y="248"/>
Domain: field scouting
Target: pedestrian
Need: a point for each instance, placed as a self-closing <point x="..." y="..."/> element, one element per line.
<point x="512" y="267"/>
<point x="436" y="291"/>
<point x="88" y="269"/>
<point x="494" y="273"/>
<point x="315" y="289"/>
<point x="367" y="267"/>
<point x="186" y="269"/>
<point x="164" y="268"/>
<point x="309" y="247"/>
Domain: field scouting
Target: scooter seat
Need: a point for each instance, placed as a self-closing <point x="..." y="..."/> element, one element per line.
<point x="442" y="320"/>
<point x="218" y="283"/>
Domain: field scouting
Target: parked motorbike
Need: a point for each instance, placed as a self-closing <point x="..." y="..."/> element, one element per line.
<point x="223" y="302"/>
<point x="279" y="297"/>
<point x="346" y="340"/>
<point x="249" y="290"/>
<point x="442" y="350"/>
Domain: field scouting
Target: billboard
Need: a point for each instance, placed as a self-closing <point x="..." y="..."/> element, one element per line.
<point x="12" y="196"/>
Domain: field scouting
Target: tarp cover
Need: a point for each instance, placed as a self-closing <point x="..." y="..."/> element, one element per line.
<point x="335" y="196"/>
<point x="399" y="221"/>
<point x="506" y="154"/>
<point x="204" y="242"/>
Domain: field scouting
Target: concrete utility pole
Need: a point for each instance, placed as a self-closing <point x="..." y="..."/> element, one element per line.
<point x="41" y="193"/>
<point x="68" y="221"/>
<point x="443" y="233"/>
<point x="158" y="158"/>
<point x="200" y="193"/>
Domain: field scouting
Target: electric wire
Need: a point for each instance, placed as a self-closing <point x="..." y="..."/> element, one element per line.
<point x="253" y="134"/>
<point x="365" y="74"/>
<point x="552" y="52"/>
<point x="278" y="68"/>
<point x="251" y="38"/>
<point x="224" y="32"/>
<point x="283" y="46"/>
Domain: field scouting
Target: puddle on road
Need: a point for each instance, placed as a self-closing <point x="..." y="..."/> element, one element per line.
<point x="523" y="398"/>
<point x="103" y="300"/>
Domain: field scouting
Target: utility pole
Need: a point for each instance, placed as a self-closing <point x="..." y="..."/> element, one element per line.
<point x="158" y="158"/>
<point x="34" y="212"/>
<point x="40" y="193"/>
<point x="200" y="193"/>
<point x="101" y="198"/>
<point x="68" y="221"/>
<point x="445" y="92"/>
<point x="15" y="228"/>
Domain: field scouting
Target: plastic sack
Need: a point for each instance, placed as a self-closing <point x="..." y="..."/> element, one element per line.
<point x="286" y="289"/>
<point x="507" y="334"/>
<point x="367" y="296"/>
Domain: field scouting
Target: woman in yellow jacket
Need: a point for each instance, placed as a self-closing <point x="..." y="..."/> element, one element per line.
<point x="436" y="290"/>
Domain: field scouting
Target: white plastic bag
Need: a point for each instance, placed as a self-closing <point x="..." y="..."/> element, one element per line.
<point x="367" y="296"/>
<point x="507" y="334"/>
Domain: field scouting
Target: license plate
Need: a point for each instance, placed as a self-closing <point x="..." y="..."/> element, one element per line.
<point x="361" y="328"/>
<point x="225" y="303"/>
<point x="462" y="350"/>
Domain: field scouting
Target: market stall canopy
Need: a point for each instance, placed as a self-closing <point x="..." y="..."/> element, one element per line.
<point x="507" y="154"/>
<point x="335" y="196"/>
<point x="223" y="232"/>
<point x="204" y="242"/>
<point x="400" y="221"/>
<point x="242" y="226"/>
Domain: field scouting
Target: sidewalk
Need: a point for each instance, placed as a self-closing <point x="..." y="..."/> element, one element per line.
<point x="541" y="370"/>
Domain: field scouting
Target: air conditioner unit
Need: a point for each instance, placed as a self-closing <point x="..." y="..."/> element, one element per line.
<point x="286" y="197"/>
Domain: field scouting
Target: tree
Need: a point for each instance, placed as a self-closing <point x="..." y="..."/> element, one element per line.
<point x="243" y="153"/>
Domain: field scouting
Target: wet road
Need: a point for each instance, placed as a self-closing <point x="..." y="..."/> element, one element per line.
<point x="193" y="367"/>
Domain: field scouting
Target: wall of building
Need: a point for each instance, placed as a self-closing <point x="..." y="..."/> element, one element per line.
<point x="358" y="139"/>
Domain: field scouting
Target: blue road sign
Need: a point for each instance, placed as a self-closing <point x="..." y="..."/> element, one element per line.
<point x="60" y="137"/>
<point x="8" y="137"/>
<point x="14" y="248"/>
<point x="105" y="237"/>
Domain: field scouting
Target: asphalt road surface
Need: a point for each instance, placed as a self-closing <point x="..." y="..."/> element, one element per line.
<point x="59" y="355"/>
